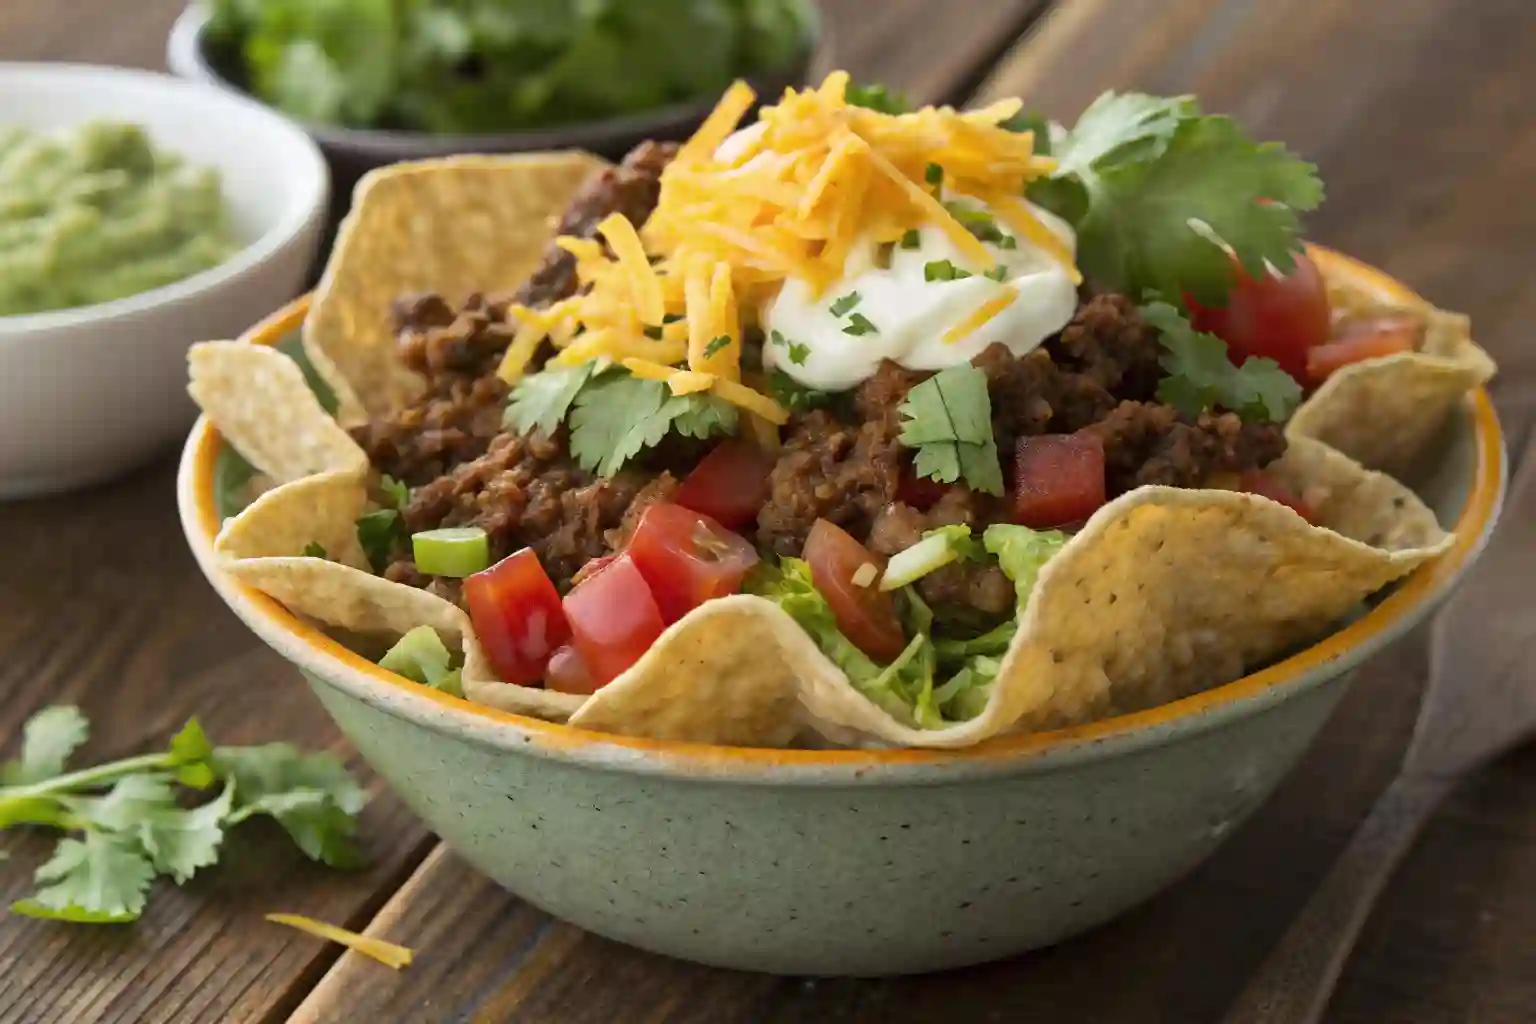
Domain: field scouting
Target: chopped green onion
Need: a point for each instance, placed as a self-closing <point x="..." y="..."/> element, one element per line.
<point x="455" y="551"/>
<point x="421" y="657"/>
<point x="937" y="549"/>
<point x="911" y="240"/>
<point x="859" y="325"/>
<point x="845" y="305"/>
<point x="944" y="270"/>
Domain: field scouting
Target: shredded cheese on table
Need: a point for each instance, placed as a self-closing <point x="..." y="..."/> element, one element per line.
<point x="789" y="198"/>
<point x="387" y="953"/>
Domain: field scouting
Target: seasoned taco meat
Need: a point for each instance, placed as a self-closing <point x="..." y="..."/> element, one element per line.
<point x="964" y="584"/>
<point x="1145" y="443"/>
<point x="457" y="350"/>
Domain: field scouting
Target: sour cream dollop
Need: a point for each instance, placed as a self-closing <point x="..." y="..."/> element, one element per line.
<point x="911" y="314"/>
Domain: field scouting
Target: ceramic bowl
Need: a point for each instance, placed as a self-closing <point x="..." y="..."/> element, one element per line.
<point x="91" y="392"/>
<point x="353" y="151"/>
<point x="853" y="862"/>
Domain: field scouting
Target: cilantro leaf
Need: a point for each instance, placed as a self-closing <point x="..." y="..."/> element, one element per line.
<point x="944" y="270"/>
<point x="846" y="304"/>
<point x="949" y="421"/>
<point x="312" y="797"/>
<point x="190" y="753"/>
<point x="912" y="239"/>
<point x="1201" y="375"/>
<point x="716" y="344"/>
<point x="313" y="549"/>
<point x="48" y="738"/>
<point x="1159" y="193"/>
<point x="541" y="400"/>
<point x="858" y="326"/>
<point x="615" y="417"/>
<point x="701" y="416"/>
<point x="101" y="878"/>
<point x="794" y="396"/>
<point x="798" y="353"/>
<point x="378" y="532"/>
<point x="396" y="493"/>
<point x="143" y="807"/>
<point x="1025" y="121"/>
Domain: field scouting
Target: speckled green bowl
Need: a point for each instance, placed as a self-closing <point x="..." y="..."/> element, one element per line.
<point x="852" y="862"/>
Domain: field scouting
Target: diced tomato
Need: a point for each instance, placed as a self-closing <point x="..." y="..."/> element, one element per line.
<point x="1275" y="316"/>
<point x="865" y="615"/>
<point x="687" y="558"/>
<point x="729" y="485"/>
<point x="1057" y="479"/>
<point x="614" y="619"/>
<point x="1367" y="339"/>
<point x="567" y="673"/>
<point x="1256" y="481"/>
<point x="920" y="491"/>
<point x="517" y="616"/>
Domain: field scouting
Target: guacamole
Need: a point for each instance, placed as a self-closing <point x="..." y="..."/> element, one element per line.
<point x="96" y="212"/>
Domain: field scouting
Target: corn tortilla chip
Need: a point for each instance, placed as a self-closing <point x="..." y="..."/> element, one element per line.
<point x="259" y="401"/>
<point x="456" y="225"/>
<point x="1385" y="413"/>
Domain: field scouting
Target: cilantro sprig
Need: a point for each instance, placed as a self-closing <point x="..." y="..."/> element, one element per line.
<point x="948" y="419"/>
<point x="613" y="415"/>
<point x="1158" y="192"/>
<point x="1201" y="375"/>
<point x="125" y="825"/>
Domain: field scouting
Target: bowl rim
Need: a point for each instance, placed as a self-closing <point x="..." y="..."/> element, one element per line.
<point x="311" y="174"/>
<point x="325" y="659"/>
<point x="185" y="57"/>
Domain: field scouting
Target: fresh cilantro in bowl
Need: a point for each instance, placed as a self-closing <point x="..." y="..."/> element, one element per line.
<point x="473" y="66"/>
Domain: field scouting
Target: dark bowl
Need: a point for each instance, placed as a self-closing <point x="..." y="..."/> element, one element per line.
<point x="352" y="152"/>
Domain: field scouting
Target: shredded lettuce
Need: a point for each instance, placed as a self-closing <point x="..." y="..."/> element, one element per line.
<point x="936" y="680"/>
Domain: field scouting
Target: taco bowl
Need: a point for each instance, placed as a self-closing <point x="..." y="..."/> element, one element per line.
<point x="1180" y="620"/>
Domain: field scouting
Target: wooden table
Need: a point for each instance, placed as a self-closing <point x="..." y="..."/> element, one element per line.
<point x="1418" y="112"/>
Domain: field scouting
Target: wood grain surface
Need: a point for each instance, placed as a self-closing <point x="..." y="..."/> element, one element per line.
<point x="1418" y="112"/>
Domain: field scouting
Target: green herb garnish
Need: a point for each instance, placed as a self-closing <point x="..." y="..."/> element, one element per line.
<point x="378" y="533"/>
<point x="616" y="416"/>
<point x="877" y="97"/>
<point x="717" y="345"/>
<point x="1201" y="375"/>
<point x="944" y="270"/>
<point x="912" y="239"/>
<point x="1158" y="192"/>
<point x="126" y="827"/>
<point x="998" y="273"/>
<point x="314" y="549"/>
<point x="860" y="325"/>
<point x="541" y="400"/>
<point x="794" y="396"/>
<point x="396" y="494"/>
<point x="934" y="174"/>
<point x="799" y="352"/>
<point x="845" y="305"/>
<point x="948" y="419"/>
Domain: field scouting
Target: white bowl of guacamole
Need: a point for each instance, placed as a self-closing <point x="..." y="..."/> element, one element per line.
<point x="138" y="214"/>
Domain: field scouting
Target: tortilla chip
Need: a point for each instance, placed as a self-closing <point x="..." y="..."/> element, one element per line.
<point x="1385" y="413"/>
<point x="321" y="509"/>
<point x="259" y="401"/>
<point x="692" y="686"/>
<point x="456" y="225"/>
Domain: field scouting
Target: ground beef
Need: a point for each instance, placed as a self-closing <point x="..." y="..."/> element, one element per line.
<point x="828" y="469"/>
<point x="526" y="492"/>
<point x="662" y="488"/>
<point x="966" y="584"/>
<point x="457" y="350"/>
<point x="1145" y="443"/>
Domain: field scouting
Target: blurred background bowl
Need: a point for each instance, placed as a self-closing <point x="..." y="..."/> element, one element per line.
<point x="91" y="392"/>
<point x="352" y="152"/>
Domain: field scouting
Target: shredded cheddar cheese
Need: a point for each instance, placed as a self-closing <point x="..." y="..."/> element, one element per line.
<point x="790" y="197"/>
<point x="387" y="953"/>
<point x="982" y="314"/>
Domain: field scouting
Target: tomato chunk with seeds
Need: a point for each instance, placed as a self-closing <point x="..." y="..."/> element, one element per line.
<point x="865" y="615"/>
<point x="517" y="615"/>
<point x="567" y="673"/>
<point x="1276" y="316"/>
<point x="688" y="558"/>
<point x="1369" y="339"/>
<point x="1256" y="481"/>
<point x="729" y="485"/>
<point x="614" y="619"/>
<point x="1058" y="479"/>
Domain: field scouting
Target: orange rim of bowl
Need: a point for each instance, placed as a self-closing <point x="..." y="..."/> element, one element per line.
<point x="1420" y="585"/>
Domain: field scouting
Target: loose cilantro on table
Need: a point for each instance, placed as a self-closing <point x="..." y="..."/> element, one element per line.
<point x="949" y="422"/>
<point x="1201" y="375"/>
<point x="127" y="827"/>
<point x="1158" y="192"/>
